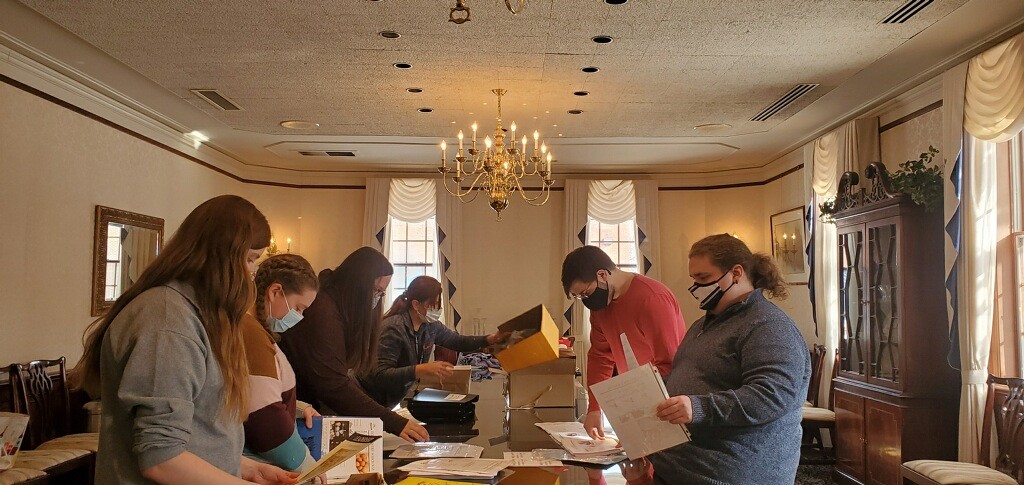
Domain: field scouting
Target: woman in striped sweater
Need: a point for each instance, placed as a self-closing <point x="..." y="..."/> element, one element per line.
<point x="285" y="286"/>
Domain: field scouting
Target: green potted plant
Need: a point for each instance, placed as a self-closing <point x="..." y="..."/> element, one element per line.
<point x="921" y="180"/>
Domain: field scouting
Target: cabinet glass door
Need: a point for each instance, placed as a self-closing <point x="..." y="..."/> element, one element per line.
<point x="883" y="301"/>
<point x="852" y="285"/>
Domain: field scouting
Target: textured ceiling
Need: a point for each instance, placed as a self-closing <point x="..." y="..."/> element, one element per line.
<point x="673" y="64"/>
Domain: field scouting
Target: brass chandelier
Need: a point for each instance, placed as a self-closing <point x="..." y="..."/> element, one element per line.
<point x="460" y="13"/>
<point x="498" y="170"/>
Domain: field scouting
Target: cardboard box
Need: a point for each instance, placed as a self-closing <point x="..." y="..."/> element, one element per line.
<point x="531" y="476"/>
<point x="329" y="431"/>
<point x="12" y="431"/>
<point x="548" y="385"/>
<point x="459" y="381"/>
<point x="524" y="435"/>
<point x="537" y="348"/>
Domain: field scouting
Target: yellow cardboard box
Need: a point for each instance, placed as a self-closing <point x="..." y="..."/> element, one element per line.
<point x="536" y="349"/>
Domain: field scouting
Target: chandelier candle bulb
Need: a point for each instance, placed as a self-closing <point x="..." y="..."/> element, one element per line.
<point x="549" y="164"/>
<point x="444" y="147"/>
<point x="523" y="155"/>
<point x="474" y="135"/>
<point x="543" y="148"/>
<point x="460" y="143"/>
<point x="513" y="128"/>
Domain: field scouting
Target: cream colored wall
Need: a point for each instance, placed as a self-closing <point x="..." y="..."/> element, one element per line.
<point x="331" y="224"/>
<point x="908" y="140"/>
<point x="56" y="167"/>
<point x="510" y="266"/>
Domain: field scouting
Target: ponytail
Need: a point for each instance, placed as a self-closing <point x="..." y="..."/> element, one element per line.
<point x="423" y="289"/>
<point x="765" y="274"/>
<point x="727" y="251"/>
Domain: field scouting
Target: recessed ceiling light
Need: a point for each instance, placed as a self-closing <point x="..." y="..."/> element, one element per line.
<point x="470" y="112"/>
<point x="590" y="69"/>
<point x="615" y="2"/>
<point x="425" y="110"/>
<point x="453" y="122"/>
<point x="534" y="117"/>
<point x="554" y="126"/>
<point x="581" y="93"/>
<point x="708" y="128"/>
<point x="575" y="111"/>
<point x="300" y="124"/>
<point x="602" y="39"/>
<point x="559" y="134"/>
<point x="414" y="90"/>
<point x="390" y="34"/>
<point x="548" y="112"/>
<point x="402" y="65"/>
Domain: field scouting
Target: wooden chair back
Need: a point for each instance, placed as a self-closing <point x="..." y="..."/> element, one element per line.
<point x="42" y="394"/>
<point x="1007" y="418"/>
<point x="818" y="354"/>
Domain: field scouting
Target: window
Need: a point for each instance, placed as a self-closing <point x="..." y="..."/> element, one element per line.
<point x="113" y="278"/>
<point x="413" y="252"/>
<point x="617" y="240"/>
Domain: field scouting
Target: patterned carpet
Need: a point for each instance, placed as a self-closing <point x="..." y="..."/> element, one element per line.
<point x="814" y="475"/>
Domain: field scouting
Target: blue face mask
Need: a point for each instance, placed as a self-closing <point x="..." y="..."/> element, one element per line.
<point x="288" y="321"/>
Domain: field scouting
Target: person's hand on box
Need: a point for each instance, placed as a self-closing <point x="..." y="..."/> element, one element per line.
<point x="498" y="338"/>
<point x="439" y="369"/>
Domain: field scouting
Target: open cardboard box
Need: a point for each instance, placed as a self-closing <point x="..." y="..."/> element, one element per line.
<point x="538" y="348"/>
<point x="547" y="385"/>
<point x="459" y="381"/>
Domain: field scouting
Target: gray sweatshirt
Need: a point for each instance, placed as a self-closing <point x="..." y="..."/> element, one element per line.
<point x="161" y="389"/>
<point x="746" y="372"/>
<point x="402" y="348"/>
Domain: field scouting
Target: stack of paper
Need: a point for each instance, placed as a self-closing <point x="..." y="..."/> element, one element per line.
<point x="574" y="438"/>
<point x="415" y="451"/>
<point x="630" y="401"/>
<point x="456" y="468"/>
<point x="532" y="459"/>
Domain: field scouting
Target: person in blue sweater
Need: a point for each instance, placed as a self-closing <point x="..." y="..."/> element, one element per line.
<point x="739" y="377"/>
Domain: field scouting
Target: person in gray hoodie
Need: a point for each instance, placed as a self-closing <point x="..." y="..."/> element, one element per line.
<point x="411" y="328"/>
<point x="739" y="377"/>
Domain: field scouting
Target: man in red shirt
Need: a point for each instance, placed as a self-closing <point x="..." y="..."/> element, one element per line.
<point x="621" y="303"/>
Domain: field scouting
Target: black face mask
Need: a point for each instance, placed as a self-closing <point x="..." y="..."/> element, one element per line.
<point x="598" y="300"/>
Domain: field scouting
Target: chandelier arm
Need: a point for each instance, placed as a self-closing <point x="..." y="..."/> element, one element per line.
<point x="522" y="193"/>
<point x="514" y="10"/>
<point x="546" y="193"/>
<point x="458" y="189"/>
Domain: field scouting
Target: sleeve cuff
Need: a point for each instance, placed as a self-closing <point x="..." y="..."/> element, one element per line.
<point x="698" y="408"/>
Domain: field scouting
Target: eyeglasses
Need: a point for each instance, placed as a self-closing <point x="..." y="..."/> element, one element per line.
<point x="586" y="293"/>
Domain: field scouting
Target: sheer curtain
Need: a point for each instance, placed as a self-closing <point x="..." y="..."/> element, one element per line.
<point x="983" y="103"/>
<point x="648" y="228"/>
<point x="449" y="252"/>
<point x="375" y="220"/>
<point x="824" y="183"/>
<point x="575" y="236"/>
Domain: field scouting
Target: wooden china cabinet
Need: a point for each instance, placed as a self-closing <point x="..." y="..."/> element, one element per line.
<point x="895" y="394"/>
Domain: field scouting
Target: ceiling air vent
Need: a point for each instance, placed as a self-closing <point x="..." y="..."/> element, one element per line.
<point x="907" y="11"/>
<point x="328" y="153"/>
<point x="786" y="100"/>
<point x="215" y="98"/>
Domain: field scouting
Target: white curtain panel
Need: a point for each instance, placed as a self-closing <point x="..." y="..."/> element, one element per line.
<point x="575" y="236"/>
<point x="449" y="253"/>
<point x="412" y="200"/>
<point x="648" y="227"/>
<point x="824" y="183"/>
<point x="858" y="145"/>
<point x="993" y="111"/>
<point x="375" y="220"/>
<point x="994" y="96"/>
<point x="976" y="288"/>
<point x="611" y="201"/>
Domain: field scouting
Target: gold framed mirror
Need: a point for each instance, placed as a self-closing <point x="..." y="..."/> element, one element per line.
<point x="124" y="244"/>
